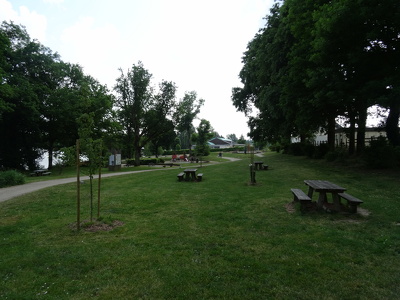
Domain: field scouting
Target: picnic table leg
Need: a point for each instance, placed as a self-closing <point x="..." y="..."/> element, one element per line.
<point x="321" y="199"/>
<point x="336" y="201"/>
<point x="310" y="191"/>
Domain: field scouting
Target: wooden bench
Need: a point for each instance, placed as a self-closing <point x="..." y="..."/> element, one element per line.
<point x="265" y="167"/>
<point x="199" y="176"/>
<point x="353" y="202"/>
<point x="180" y="176"/>
<point x="300" y="196"/>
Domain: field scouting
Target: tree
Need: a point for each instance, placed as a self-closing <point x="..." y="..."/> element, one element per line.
<point x="93" y="150"/>
<point x="264" y="70"/>
<point x="241" y="140"/>
<point x="306" y="68"/>
<point x="232" y="137"/>
<point x="22" y="85"/>
<point x="133" y="90"/>
<point x="187" y="110"/>
<point x="204" y="133"/>
<point x="142" y="113"/>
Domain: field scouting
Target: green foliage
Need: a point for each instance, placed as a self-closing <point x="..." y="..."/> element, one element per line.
<point x="42" y="98"/>
<point x="145" y="161"/>
<point x="380" y="154"/>
<point x="10" y="178"/>
<point x="296" y="149"/>
<point x="204" y="133"/>
<point x="339" y="155"/>
<point x="305" y="68"/>
<point x="186" y="111"/>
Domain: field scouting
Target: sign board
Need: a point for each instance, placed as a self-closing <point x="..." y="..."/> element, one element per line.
<point x="114" y="162"/>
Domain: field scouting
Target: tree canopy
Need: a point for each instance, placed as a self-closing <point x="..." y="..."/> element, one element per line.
<point x="315" y="61"/>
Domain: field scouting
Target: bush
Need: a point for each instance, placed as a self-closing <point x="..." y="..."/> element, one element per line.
<point x="10" y="178"/>
<point x="321" y="150"/>
<point x="296" y="149"/>
<point x="339" y="155"/>
<point x="275" y="147"/>
<point x="309" y="150"/>
<point x="380" y="154"/>
<point x="145" y="161"/>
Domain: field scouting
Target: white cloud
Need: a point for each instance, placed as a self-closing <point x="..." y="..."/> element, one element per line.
<point x="53" y="1"/>
<point x="96" y="46"/>
<point x="35" y="23"/>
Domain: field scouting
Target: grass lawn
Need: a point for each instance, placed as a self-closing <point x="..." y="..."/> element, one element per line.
<point x="216" y="239"/>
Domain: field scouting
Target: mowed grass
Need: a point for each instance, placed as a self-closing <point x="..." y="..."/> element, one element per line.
<point x="221" y="238"/>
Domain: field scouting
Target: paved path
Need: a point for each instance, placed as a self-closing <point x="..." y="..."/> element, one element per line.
<point x="18" y="190"/>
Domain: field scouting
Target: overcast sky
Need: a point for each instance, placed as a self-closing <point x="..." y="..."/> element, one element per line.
<point x="196" y="44"/>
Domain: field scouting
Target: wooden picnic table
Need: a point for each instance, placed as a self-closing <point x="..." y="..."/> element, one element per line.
<point x="190" y="174"/>
<point x="258" y="165"/>
<point x="323" y="187"/>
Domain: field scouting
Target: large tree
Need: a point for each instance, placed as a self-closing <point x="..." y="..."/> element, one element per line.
<point x="142" y="113"/>
<point x="306" y="68"/>
<point x="186" y="111"/>
<point x="22" y="86"/>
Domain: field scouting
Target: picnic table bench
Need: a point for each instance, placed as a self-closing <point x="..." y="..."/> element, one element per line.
<point x="352" y="202"/>
<point x="324" y="187"/>
<point x="190" y="175"/>
<point x="303" y="198"/>
<point x="180" y="176"/>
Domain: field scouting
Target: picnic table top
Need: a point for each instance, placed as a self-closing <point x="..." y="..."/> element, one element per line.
<point x="190" y="170"/>
<point x="323" y="185"/>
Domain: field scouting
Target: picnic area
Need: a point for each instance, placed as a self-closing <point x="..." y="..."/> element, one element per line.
<point x="221" y="238"/>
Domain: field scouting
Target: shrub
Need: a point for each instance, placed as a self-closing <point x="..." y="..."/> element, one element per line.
<point x="309" y="150"/>
<point x="10" y="178"/>
<point x="321" y="150"/>
<point x="380" y="154"/>
<point x="296" y="149"/>
<point x="275" y="147"/>
<point x="339" y="155"/>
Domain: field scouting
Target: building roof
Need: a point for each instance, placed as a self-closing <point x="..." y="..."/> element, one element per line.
<point x="220" y="141"/>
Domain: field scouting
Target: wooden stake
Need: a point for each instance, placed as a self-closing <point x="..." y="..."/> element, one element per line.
<point x="99" y="184"/>
<point x="78" y="189"/>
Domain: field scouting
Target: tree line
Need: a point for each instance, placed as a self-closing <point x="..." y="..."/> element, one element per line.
<point x="316" y="61"/>
<point x="46" y="104"/>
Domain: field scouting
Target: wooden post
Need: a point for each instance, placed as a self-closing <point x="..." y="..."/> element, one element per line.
<point x="99" y="184"/>
<point x="78" y="189"/>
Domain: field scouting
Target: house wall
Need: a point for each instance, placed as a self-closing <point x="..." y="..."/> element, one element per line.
<point x="341" y="138"/>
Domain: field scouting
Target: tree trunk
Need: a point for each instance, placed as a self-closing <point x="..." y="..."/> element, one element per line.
<point x="50" y="151"/>
<point x="331" y="132"/>
<point x="137" y="147"/>
<point x="392" y="123"/>
<point x="362" y="115"/>
<point x="351" y="135"/>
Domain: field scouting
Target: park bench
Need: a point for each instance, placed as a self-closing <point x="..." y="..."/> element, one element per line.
<point x="199" y="176"/>
<point x="180" y="176"/>
<point x="353" y="202"/>
<point x="265" y="167"/>
<point x="300" y="196"/>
